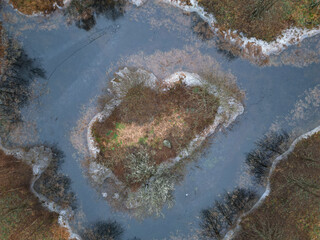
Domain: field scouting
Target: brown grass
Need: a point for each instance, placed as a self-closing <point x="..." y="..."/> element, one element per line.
<point x="145" y="118"/>
<point x="21" y="214"/>
<point x="291" y="211"/>
<point x="263" y="19"/>
<point x="29" y="7"/>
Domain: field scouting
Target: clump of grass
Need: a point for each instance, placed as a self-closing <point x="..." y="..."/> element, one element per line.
<point x="157" y="192"/>
<point x="141" y="167"/>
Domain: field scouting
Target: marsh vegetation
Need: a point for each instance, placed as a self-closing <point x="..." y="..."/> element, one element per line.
<point x="30" y="7"/>
<point x="150" y="127"/>
<point x="263" y="19"/>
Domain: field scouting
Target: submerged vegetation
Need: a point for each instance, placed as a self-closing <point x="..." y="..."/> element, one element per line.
<point x="21" y="214"/>
<point x="263" y="19"/>
<point x="291" y="210"/>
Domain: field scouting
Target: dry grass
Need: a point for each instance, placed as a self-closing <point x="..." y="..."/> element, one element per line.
<point x="263" y="19"/>
<point x="145" y="118"/>
<point x="291" y="211"/>
<point x="21" y="214"/>
<point x="29" y="7"/>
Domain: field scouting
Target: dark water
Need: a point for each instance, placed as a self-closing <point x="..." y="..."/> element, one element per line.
<point x="76" y="62"/>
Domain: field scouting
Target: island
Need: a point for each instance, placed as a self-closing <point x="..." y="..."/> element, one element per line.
<point x="148" y="126"/>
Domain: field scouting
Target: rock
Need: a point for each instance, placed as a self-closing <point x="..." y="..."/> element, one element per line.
<point x="167" y="144"/>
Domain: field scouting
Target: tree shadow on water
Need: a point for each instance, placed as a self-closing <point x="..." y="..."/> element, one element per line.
<point x="216" y="220"/>
<point x="54" y="185"/>
<point x="85" y="12"/>
<point x="103" y="230"/>
<point x="260" y="159"/>
<point x="17" y="71"/>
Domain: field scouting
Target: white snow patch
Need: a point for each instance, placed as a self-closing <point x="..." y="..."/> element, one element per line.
<point x="288" y="37"/>
<point x="138" y="3"/>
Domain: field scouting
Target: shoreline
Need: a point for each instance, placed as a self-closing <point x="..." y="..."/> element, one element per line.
<point x="37" y="170"/>
<point x="250" y="46"/>
<point x="230" y="234"/>
<point x="190" y="79"/>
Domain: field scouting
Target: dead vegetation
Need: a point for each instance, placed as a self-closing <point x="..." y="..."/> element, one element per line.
<point x="149" y="127"/>
<point x="21" y="214"/>
<point x="263" y="19"/>
<point x="291" y="211"/>
<point x="30" y="7"/>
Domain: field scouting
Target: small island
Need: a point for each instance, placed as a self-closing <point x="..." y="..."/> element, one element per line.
<point x="148" y="125"/>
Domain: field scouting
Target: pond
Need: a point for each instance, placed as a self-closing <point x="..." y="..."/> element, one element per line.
<point x="78" y="64"/>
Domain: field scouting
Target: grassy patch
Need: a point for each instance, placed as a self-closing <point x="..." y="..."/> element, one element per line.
<point x="21" y="214"/>
<point x="29" y="7"/>
<point x="150" y="127"/>
<point x="264" y="19"/>
<point x="291" y="211"/>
